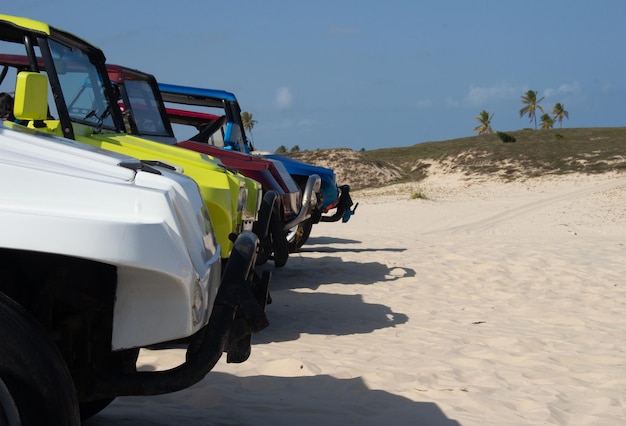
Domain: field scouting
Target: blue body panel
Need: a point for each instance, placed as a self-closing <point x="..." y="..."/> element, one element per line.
<point x="197" y="91"/>
<point x="300" y="168"/>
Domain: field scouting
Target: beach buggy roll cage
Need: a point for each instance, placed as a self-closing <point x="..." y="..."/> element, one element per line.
<point x="333" y="196"/>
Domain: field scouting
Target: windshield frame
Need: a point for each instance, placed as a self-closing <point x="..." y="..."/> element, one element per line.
<point x="141" y="104"/>
<point x="85" y="101"/>
<point x="36" y="45"/>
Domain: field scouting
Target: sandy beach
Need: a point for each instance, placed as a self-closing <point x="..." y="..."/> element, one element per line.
<point x="488" y="303"/>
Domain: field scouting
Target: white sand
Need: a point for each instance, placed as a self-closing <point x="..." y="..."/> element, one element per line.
<point x="486" y="304"/>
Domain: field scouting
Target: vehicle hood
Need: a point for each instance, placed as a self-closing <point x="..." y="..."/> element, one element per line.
<point x="300" y="167"/>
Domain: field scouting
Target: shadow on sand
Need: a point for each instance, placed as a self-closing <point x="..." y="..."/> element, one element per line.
<point x="326" y="245"/>
<point x="313" y="272"/>
<point x="225" y="399"/>
<point x="294" y="394"/>
<point x="292" y="314"/>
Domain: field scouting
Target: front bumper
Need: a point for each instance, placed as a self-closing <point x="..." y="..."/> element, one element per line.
<point x="239" y="310"/>
<point x="309" y="201"/>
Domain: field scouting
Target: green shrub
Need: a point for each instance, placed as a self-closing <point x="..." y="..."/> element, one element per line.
<point x="419" y="195"/>
<point x="504" y="137"/>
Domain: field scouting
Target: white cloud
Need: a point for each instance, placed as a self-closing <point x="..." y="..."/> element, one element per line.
<point x="481" y="96"/>
<point x="563" y="89"/>
<point x="284" y="98"/>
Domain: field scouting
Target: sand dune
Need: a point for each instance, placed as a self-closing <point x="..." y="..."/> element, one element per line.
<point x="488" y="303"/>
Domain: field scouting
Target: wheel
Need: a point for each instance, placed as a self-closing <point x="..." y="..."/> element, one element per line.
<point x="298" y="235"/>
<point x="37" y="384"/>
<point x="9" y="414"/>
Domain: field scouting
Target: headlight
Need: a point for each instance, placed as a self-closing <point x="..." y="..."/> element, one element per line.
<point x="209" y="237"/>
<point x="206" y="218"/>
<point x="197" y="307"/>
<point x="259" y="200"/>
<point x="243" y="198"/>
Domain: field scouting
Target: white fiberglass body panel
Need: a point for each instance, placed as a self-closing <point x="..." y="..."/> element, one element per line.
<point x="60" y="196"/>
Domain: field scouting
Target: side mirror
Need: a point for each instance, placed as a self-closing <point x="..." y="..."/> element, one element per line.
<point x="31" y="96"/>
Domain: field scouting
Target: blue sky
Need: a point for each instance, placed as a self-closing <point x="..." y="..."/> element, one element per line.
<point x="368" y="74"/>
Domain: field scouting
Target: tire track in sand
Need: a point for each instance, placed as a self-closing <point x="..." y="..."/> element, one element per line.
<point x="525" y="208"/>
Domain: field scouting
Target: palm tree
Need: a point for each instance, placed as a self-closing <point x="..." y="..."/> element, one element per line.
<point x="485" y="123"/>
<point x="547" y="122"/>
<point x="531" y="104"/>
<point x="558" y="112"/>
<point x="248" y="123"/>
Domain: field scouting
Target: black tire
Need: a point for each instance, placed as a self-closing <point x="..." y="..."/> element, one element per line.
<point x="9" y="414"/>
<point x="299" y="235"/>
<point x="33" y="371"/>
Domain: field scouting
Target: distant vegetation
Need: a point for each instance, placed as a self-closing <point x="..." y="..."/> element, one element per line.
<point x="530" y="107"/>
<point x="484" y="126"/>
<point x="504" y="137"/>
<point x="527" y="153"/>
<point x="248" y="123"/>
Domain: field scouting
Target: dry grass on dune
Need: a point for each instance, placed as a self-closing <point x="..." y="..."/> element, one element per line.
<point x="534" y="153"/>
